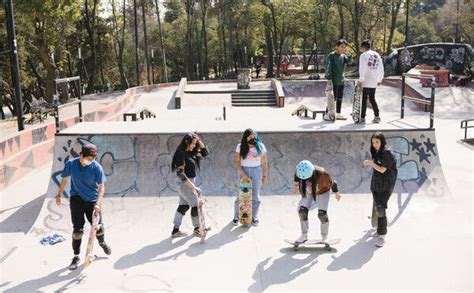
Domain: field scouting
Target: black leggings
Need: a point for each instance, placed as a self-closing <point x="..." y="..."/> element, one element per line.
<point x="379" y="209"/>
<point x="338" y="91"/>
<point x="370" y="94"/>
<point x="79" y="208"/>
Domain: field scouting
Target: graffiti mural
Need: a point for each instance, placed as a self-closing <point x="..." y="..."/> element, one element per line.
<point x="454" y="57"/>
<point x="139" y="165"/>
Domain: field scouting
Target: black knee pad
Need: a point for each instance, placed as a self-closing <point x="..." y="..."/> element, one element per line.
<point x="194" y="211"/>
<point x="303" y="213"/>
<point x="182" y="209"/>
<point x="101" y="230"/>
<point x="77" y="235"/>
<point x="380" y="211"/>
<point x="323" y="216"/>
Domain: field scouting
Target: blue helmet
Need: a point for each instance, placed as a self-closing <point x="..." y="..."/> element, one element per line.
<point x="304" y="169"/>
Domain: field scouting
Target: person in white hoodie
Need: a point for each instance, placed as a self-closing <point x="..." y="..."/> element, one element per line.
<point x="371" y="74"/>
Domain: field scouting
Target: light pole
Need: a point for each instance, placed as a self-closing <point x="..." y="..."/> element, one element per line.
<point x="406" y="23"/>
<point x="14" y="63"/>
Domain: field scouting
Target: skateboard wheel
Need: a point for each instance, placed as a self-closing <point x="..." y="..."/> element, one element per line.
<point x="328" y="248"/>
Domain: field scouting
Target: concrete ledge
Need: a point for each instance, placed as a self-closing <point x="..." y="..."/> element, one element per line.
<point x="180" y="92"/>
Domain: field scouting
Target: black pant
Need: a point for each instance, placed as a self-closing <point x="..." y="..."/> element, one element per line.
<point x="380" y="205"/>
<point x="338" y="91"/>
<point x="369" y="93"/>
<point x="79" y="208"/>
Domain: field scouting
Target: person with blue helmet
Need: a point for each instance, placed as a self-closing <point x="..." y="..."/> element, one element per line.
<point x="314" y="184"/>
<point x="250" y="159"/>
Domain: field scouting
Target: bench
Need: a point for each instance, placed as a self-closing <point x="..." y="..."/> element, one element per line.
<point x="307" y="109"/>
<point x="39" y="109"/>
<point x="139" y="115"/>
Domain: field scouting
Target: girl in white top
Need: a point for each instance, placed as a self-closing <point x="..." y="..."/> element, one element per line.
<point x="250" y="160"/>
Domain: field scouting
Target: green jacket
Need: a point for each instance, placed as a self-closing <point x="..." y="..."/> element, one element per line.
<point x="335" y="65"/>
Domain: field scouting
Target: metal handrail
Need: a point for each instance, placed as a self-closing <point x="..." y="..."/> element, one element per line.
<point x="57" y="106"/>
<point x="430" y="102"/>
<point x="464" y="124"/>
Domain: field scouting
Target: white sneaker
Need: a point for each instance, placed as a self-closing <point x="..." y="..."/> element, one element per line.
<point x="339" y="116"/>
<point x="302" y="238"/>
<point x="374" y="234"/>
<point x="380" y="242"/>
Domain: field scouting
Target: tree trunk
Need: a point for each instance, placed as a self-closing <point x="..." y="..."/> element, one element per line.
<point x="162" y="45"/>
<point x="89" y="22"/>
<point x="341" y="19"/>
<point x="205" y="65"/>
<point x="147" y="60"/>
<point x="395" y="9"/>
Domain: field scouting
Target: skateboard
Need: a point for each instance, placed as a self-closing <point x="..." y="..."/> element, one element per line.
<point x="331" y="103"/>
<point x="90" y="243"/>
<point x="245" y="202"/>
<point x="357" y="103"/>
<point x="327" y="244"/>
<point x="202" y="220"/>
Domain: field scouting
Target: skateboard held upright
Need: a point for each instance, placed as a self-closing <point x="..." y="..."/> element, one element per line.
<point x="245" y="202"/>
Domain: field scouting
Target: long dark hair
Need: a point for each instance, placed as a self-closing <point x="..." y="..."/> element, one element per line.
<point x="383" y="144"/>
<point x="182" y="147"/>
<point x="244" y="145"/>
<point x="302" y="184"/>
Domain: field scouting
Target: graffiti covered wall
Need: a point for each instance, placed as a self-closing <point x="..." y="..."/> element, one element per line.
<point x="139" y="165"/>
<point x="454" y="57"/>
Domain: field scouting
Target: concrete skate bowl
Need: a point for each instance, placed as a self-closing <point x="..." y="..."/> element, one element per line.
<point x="312" y="88"/>
<point x="138" y="165"/>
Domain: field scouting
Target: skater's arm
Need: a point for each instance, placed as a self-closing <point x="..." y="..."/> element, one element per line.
<point x="264" y="168"/>
<point x="381" y="72"/>
<point x="370" y="163"/>
<point x="238" y="166"/>
<point x="362" y="68"/>
<point x="62" y="186"/>
<point x="100" y="196"/>
<point x="328" y="69"/>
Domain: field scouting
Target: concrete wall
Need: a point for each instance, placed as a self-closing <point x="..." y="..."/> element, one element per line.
<point x="139" y="165"/>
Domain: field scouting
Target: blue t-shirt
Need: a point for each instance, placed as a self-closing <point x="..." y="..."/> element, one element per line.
<point x="84" y="180"/>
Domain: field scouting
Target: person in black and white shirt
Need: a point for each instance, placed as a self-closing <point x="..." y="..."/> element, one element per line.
<point x="371" y="75"/>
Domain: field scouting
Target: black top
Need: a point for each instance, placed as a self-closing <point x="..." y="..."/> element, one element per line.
<point x="384" y="181"/>
<point x="189" y="160"/>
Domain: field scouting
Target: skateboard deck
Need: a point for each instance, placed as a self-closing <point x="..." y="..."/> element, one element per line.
<point x="90" y="243"/>
<point x="245" y="202"/>
<point x="327" y="244"/>
<point x="202" y="220"/>
<point x="357" y="103"/>
<point x="331" y="103"/>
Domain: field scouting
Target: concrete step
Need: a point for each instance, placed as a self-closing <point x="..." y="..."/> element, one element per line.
<point x="254" y="105"/>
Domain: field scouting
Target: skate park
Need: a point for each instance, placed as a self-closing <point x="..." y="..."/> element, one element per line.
<point x="429" y="245"/>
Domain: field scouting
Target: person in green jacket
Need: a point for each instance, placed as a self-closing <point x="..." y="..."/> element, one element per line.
<point x="335" y="64"/>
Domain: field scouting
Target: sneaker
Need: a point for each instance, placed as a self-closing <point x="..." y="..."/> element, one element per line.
<point x="302" y="238"/>
<point x="339" y="116"/>
<point x="255" y="223"/>
<point x="196" y="232"/>
<point x="362" y="120"/>
<point x="376" y="120"/>
<point x="74" y="263"/>
<point x="106" y="248"/>
<point x="235" y="222"/>
<point x="326" y="117"/>
<point x="374" y="234"/>
<point x="176" y="233"/>
<point x="380" y="242"/>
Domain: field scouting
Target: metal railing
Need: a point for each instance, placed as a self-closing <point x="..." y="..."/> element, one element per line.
<point x="465" y="125"/>
<point x="429" y="102"/>
<point x="57" y="106"/>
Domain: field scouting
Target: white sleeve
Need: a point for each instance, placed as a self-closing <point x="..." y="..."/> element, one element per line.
<point x="237" y="149"/>
<point x="380" y="73"/>
<point x="362" y="67"/>
<point x="264" y="149"/>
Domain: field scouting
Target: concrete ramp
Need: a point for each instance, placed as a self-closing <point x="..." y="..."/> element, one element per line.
<point x="139" y="164"/>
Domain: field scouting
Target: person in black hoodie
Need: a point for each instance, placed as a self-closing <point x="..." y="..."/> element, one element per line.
<point x="186" y="162"/>
<point x="383" y="181"/>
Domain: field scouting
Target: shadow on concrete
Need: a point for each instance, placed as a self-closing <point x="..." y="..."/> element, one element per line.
<point x="149" y="253"/>
<point x="23" y="219"/>
<point x="58" y="276"/>
<point x="286" y="268"/>
<point x="356" y="256"/>
<point x="213" y="241"/>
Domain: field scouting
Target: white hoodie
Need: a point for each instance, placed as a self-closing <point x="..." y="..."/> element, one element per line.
<point x="370" y="69"/>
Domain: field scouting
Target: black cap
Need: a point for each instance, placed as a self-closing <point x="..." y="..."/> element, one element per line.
<point x="89" y="150"/>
